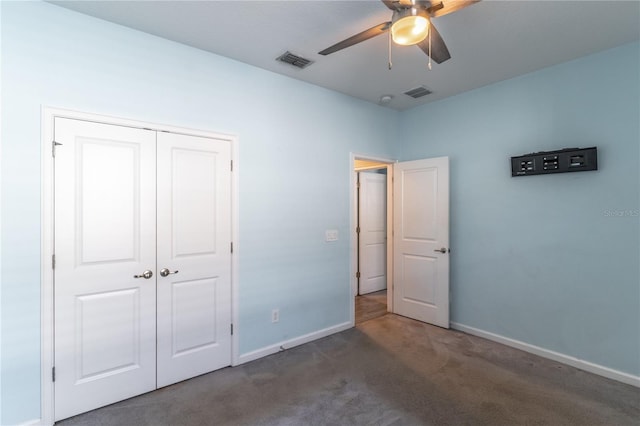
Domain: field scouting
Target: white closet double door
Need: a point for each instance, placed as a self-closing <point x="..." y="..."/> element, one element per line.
<point x="131" y="203"/>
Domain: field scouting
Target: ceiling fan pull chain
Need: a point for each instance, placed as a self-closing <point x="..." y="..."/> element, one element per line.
<point x="429" y="48"/>
<point x="390" y="63"/>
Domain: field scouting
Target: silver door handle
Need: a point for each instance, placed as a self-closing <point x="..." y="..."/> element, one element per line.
<point x="146" y="275"/>
<point x="442" y="250"/>
<point x="166" y="272"/>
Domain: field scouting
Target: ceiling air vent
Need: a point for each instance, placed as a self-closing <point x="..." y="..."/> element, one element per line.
<point x="295" y="60"/>
<point x="418" y="92"/>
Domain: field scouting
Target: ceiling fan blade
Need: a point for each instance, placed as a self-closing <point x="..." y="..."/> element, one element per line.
<point x="448" y="6"/>
<point x="391" y="4"/>
<point x="360" y="37"/>
<point x="439" y="51"/>
<point x="403" y="4"/>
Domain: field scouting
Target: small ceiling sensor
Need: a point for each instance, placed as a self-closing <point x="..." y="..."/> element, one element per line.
<point x="385" y="99"/>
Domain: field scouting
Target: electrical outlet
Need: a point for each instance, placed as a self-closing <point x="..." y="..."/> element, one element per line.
<point x="275" y="315"/>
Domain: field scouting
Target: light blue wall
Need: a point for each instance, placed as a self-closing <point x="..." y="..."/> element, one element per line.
<point x="544" y="259"/>
<point x="295" y="140"/>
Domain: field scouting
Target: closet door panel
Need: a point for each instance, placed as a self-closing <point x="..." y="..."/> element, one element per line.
<point x="194" y="238"/>
<point x="105" y="211"/>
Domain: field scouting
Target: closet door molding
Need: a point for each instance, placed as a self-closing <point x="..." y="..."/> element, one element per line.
<point x="48" y="116"/>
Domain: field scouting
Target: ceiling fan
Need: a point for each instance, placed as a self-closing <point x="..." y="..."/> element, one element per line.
<point x="410" y="24"/>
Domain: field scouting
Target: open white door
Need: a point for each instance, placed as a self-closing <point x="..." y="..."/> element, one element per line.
<point x="373" y="232"/>
<point x="421" y="240"/>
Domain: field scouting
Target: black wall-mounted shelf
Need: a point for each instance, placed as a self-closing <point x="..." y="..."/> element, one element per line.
<point x="560" y="161"/>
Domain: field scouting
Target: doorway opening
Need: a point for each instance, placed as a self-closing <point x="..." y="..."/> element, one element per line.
<point x="372" y="178"/>
<point x="417" y="244"/>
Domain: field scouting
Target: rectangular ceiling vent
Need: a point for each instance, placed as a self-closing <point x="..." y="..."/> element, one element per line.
<point x="295" y="60"/>
<point x="418" y="92"/>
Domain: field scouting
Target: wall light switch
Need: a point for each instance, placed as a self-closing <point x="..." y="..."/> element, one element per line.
<point x="331" y="235"/>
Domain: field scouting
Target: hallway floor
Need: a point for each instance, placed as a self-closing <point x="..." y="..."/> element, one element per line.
<point x="370" y="306"/>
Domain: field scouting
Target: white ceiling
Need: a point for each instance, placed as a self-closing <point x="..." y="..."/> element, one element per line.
<point x="489" y="41"/>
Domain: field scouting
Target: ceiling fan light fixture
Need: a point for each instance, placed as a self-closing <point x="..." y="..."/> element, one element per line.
<point x="409" y="27"/>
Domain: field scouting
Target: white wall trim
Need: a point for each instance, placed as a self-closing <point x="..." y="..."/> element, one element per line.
<point x="235" y="256"/>
<point x="46" y="272"/>
<point x="33" y="422"/>
<point x="590" y="367"/>
<point x="47" y="239"/>
<point x="353" y="244"/>
<point x="288" y="344"/>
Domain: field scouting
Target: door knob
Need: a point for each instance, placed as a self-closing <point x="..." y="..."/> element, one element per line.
<point x="146" y="275"/>
<point x="442" y="250"/>
<point x="166" y="272"/>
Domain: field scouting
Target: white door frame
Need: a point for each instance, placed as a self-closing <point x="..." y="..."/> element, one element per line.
<point x="47" y="243"/>
<point x="354" y="236"/>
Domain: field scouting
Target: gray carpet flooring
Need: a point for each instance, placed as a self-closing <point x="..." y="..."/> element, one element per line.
<point x="387" y="371"/>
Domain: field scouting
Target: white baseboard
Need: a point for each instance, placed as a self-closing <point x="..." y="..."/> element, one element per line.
<point x="33" y="422"/>
<point x="288" y="344"/>
<point x="600" y="370"/>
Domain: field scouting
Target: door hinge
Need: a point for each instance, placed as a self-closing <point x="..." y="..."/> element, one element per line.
<point x="53" y="148"/>
<point x="232" y="329"/>
<point x="357" y="229"/>
<point x="231" y="165"/>
<point x="53" y="374"/>
<point x="358" y="274"/>
<point x="358" y="185"/>
<point x="53" y="261"/>
<point x="232" y="247"/>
